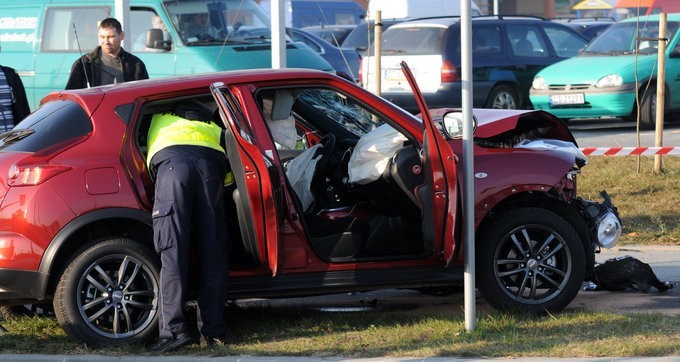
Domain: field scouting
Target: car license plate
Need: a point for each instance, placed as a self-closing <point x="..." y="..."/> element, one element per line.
<point x="560" y="99"/>
<point x="395" y="74"/>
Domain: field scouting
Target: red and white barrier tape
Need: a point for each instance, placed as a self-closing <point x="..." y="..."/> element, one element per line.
<point x="630" y="151"/>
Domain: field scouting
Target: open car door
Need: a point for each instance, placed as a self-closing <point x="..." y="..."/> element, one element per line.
<point x="254" y="199"/>
<point x="439" y="196"/>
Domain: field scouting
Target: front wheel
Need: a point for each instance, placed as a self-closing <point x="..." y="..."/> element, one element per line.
<point x="648" y="108"/>
<point x="108" y="294"/>
<point x="529" y="259"/>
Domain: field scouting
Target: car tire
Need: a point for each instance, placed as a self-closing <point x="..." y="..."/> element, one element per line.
<point x="648" y="108"/>
<point x="108" y="294"/>
<point x="13" y="312"/>
<point x="503" y="97"/>
<point x="529" y="260"/>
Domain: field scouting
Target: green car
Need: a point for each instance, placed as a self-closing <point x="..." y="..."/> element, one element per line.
<point x="604" y="79"/>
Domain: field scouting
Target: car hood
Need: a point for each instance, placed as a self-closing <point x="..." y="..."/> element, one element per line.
<point x="592" y="68"/>
<point x="501" y="126"/>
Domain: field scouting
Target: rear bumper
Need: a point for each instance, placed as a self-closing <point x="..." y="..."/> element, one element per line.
<point x="21" y="286"/>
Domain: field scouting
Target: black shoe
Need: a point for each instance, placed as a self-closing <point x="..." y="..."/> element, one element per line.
<point x="212" y="342"/>
<point x="171" y="344"/>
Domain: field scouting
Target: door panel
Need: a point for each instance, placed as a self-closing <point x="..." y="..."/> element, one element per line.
<point x="254" y="196"/>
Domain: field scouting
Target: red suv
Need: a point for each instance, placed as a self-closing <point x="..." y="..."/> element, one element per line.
<point x="335" y="190"/>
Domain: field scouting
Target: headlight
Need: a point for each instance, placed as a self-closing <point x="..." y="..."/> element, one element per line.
<point x="612" y="80"/>
<point x="539" y="83"/>
<point x="608" y="230"/>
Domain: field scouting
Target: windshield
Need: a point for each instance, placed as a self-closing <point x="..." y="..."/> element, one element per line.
<point x="201" y="22"/>
<point x="620" y="39"/>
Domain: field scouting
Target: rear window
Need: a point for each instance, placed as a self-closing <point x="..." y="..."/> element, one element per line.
<point x="53" y="123"/>
<point x="413" y="40"/>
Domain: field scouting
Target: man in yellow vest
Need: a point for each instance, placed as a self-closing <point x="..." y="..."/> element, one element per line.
<point x="189" y="166"/>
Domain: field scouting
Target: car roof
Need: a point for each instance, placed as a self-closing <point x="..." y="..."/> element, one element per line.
<point x="129" y="91"/>
<point x="446" y="21"/>
<point x="655" y="17"/>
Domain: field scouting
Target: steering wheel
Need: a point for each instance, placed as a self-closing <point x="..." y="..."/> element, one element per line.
<point x="328" y="145"/>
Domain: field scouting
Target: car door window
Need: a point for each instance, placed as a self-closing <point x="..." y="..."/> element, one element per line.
<point x="565" y="43"/>
<point x="486" y="40"/>
<point x="527" y="41"/>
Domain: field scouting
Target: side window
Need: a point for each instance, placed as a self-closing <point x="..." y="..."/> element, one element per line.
<point x="59" y="34"/>
<point x="527" y="41"/>
<point x="141" y="20"/>
<point x="486" y="40"/>
<point x="308" y="42"/>
<point x="565" y="43"/>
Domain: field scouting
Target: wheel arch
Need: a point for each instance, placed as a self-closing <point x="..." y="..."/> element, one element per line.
<point x="114" y="222"/>
<point x="513" y="84"/>
<point x="549" y="202"/>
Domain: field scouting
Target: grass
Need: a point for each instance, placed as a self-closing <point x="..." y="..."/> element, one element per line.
<point x="648" y="206"/>
<point x="647" y="202"/>
<point x="266" y="331"/>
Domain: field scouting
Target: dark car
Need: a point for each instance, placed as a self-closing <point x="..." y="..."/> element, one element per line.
<point x="363" y="34"/>
<point x="336" y="190"/>
<point x="507" y="52"/>
<point x="588" y="27"/>
<point x="334" y="34"/>
<point x="345" y="61"/>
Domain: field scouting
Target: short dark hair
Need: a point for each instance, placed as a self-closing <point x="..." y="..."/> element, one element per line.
<point x="111" y="23"/>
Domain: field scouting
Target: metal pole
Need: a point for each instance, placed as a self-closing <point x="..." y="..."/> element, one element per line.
<point x="278" y="19"/>
<point x="660" y="90"/>
<point x="495" y="7"/>
<point x="122" y="11"/>
<point x="468" y="164"/>
<point x="378" y="51"/>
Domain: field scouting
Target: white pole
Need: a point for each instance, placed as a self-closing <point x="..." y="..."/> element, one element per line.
<point x="278" y="19"/>
<point x="122" y="14"/>
<point x="495" y="7"/>
<point x="377" y="46"/>
<point x="468" y="164"/>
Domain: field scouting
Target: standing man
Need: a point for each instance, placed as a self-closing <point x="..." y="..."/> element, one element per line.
<point x="13" y="102"/>
<point x="108" y="63"/>
<point x="189" y="166"/>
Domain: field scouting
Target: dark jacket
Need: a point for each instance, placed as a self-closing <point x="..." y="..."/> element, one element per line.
<point x="20" y="108"/>
<point x="133" y="69"/>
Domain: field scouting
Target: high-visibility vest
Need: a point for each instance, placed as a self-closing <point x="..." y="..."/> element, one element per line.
<point x="168" y="129"/>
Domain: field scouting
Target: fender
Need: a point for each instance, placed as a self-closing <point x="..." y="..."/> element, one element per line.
<point x="78" y="223"/>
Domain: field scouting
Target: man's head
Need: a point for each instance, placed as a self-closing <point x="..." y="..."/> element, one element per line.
<point x="110" y="34"/>
<point x="201" y="19"/>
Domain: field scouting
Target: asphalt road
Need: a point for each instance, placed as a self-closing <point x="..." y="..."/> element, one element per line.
<point x="664" y="260"/>
<point x="615" y="133"/>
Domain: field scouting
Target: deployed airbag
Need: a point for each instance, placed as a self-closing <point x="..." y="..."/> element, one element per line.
<point x="372" y="154"/>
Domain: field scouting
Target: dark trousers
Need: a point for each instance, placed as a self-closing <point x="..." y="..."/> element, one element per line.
<point x="189" y="212"/>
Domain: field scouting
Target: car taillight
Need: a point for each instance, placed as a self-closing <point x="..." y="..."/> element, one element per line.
<point x="449" y="72"/>
<point x="33" y="174"/>
<point x="361" y="71"/>
<point x="36" y="168"/>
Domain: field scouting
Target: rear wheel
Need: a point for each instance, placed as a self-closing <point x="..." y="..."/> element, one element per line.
<point x="108" y="294"/>
<point x="503" y="97"/>
<point x="530" y="260"/>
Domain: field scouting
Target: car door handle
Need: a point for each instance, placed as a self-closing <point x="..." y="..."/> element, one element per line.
<point x="521" y="67"/>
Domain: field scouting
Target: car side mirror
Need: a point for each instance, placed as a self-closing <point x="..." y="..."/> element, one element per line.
<point x="154" y="40"/>
<point x="453" y="124"/>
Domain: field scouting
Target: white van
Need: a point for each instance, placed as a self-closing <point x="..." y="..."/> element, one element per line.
<point x="399" y="9"/>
